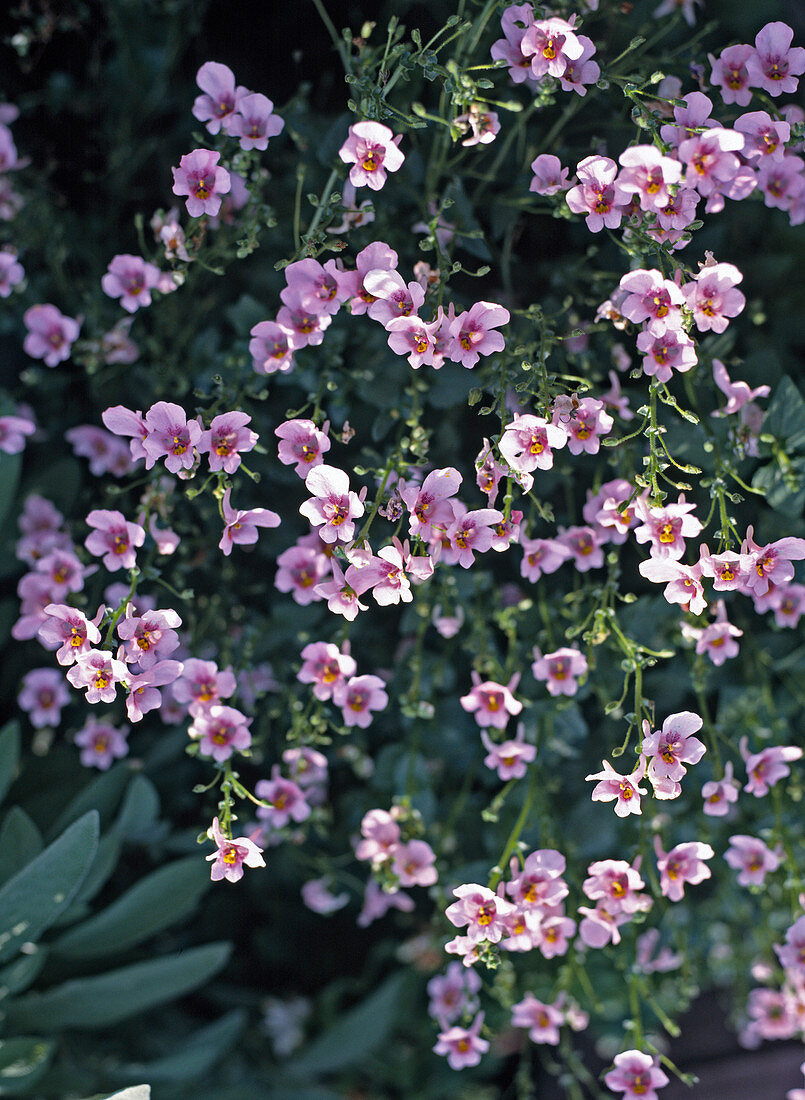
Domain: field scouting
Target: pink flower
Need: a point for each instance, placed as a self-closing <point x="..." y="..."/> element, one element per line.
<point x="11" y="272"/>
<point x="527" y="442"/>
<point x="358" y="697"/>
<point x="666" y="528"/>
<point x="752" y="859"/>
<point x="483" y="125"/>
<point x="766" y="138"/>
<point x="301" y="442"/>
<point x="342" y="594"/>
<point x="712" y="297"/>
<point x="232" y="855"/>
<point x="99" y="674"/>
<point x="595" y="194"/>
<point x="600" y="925"/>
<point x="636" y="1075"/>
<point x="792" y="953"/>
<point x="387" y="573"/>
<point x="106" y="453"/>
<point x="559" y="670"/>
<point x="539" y="883"/>
<point x="623" y="790"/>
<point x="318" y="896"/>
<point x="782" y="182"/>
<point x="669" y="749"/>
<point x="413" y="864"/>
<point x="473" y="333"/>
<point x="143" y="695"/>
<point x="300" y="570"/>
<point x="392" y="297"/>
<point x="585" y="546"/>
<point x="663" y="961"/>
<point x="333" y="506"/>
<point x="492" y="703"/>
<point x="550" y="43"/>
<point x="317" y="288"/>
<point x="542" y="1020"/>
<point x="719" y="793"/>
<point x="286" y="800"/>
<point x="306" y="767"/>
<point x="253" y="121"/>
<point x="788" y="602"/>
<point x="377" y="256"/>
<point x="580" y="70"/>
<point x="203" y="685"/>
<point x="114" y="539"/>
<point x="649" y="175"/>
<point x="738" y="393"/>
<point x="372" y="150"/>
<point x="541" y="556"/>
<point x="770" y="564"/>
<point x="412" y="337"/>
<point x="481" y="911"/>
<point x="122" y="421"/>
<point x="130" y="279"/>
<point x="549" y="176"/>
<point x="774" y="66"/>
<point x="202" y="180"/>
<point x="381" y="835"/>
<point x="619" y="884"/>
<point x="672" y="351"/>
<point x="13" y="430"/>
<point x="220" y="731"/>
<point x="710" y="160"/>
<point x="511" y="757"/>
<point x="472" y="533"/>
<point x="42" y="697"/>
<point x="170" y="436"/>
<point x="452" y="994"/>
<point x="652" y="298"/>
<point x="101" y="743"/>
<point x="585" y="422"/>
<point x="684" y="863"/>
<point x="50" y="334"/>
<point x="271" y="348"/>
<point x="225" y="439"/>
<point x="220" y="99"/>
<point x="463" y="1046"/>
<point x="767" y="767"/>
<point x="428" y="503"/>
<point x="684" y="582"/>
<point x="377" y="903"/>
<point x="515" y="20"/>
<point x="326" y="667"/>
<point x="240" y="527"/>
<point x="731" y="75"/>
<point x="69" y="632"/>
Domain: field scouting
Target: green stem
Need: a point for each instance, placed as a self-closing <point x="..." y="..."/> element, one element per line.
<point x="514" y="835"/>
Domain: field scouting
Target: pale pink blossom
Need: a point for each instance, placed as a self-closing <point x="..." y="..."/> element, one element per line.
<point x="358" y="698"/>
<point x="516" y="19"/>
<point x="666" y="527"/>
<point x="378" y="901"/>
<point x="730" y="74"/>
<point x="131" y="279"/>
<point x="492" y="703"/>
<point x="220" y="98"/>
<point x="636" y="1075"/>
<point x="483" y="125"/>
<point x="463" y="1046"/>
<point x="101" y="743"/>
<point x="372" y="150"/>
<point x="69" y="632"/>
<point x="13" y="430"/>
<point x="770" y="564"/>
<point x="709" y="159"/>
<point x="232" y="855"/>
<point x="684" y="863"/>
<point x="542" y="1020"/>
<point x="767" y="767"/>
<point x="240" y="527"/>
<point x="775" y="65"/>
<point x="669" y="749"/>
<point x="202" y="684"/>
<point x="662" y="355"/>
<point x="683" y="583"/>
<point x="326" y="667"/>
<point x="647" y="174"/>
<point x="752" y="859"/>
<point x="114" y="538"/>
<point x="619" y="884"/>
<point x="510" y="758"/>
<point x="527" y="442"/>
<point x="580" y="70"/>
<point x="42" y="696"/>
<point x="623" y="790"/>
<point x="253" y="121"/>
<point x="319" y="897"/>
<point x="718" y="794"/>
<point x="413" y="863"/>
<point x="50" y="334"/>
<point x="170" y="436"/>
<point x="452" y="993"/>
<point x="286" y="800"/>
<point x="202" y="180"/>
<point x="300" y="569"/>
<point x="737" y="393"/>
<point x="143" y="694"/>
<point x="542" y="556"/>
<point x="559" y="670"/>
<point x="550" y="43"/>
<point x="334" y="506"/>
<point x="481" y="911"/>
<point x="226" y="439"/>
<point x="11" y="272"/>
<point x="474" y="333"/>
<point x="585" y="422"/>
<point x="549" y="176"/>
<point x="106" y="453"/>
<point x="595" y="194"/>
<point x="99" y="674"/>
<point x="271" y="348"/>
<point x="381" y="837"/>
<point x="471" y="533"/>
<point x="220" y="731"/>
<point x="301" y="442"/>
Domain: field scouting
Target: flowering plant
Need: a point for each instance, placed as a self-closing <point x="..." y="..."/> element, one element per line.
<point x="372" y="525"/>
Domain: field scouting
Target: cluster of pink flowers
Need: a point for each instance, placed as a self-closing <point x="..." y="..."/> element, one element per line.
<point x="331" y="671"/>
<point x="314" y="293"/>
<point x="535" y="49"/>
<point x="399" y="859"/>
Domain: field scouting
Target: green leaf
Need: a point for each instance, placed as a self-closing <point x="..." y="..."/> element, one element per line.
<point x="9" y="755"/>
<point x="159" y="900"/>
<point x="33" y="899"/>
<point x="103" y="864"/>
<point x="139" y="811"/>
<point x="356" y="1034"/>
<point x="195" y="1057"/>
<point x="18" y="975"/>
<point x="105" y="1000"/>
<point x="101" y="794"/>
<point x="20" y="842"/>
<point x="785" y="419"/>
<point x="22" y="1063"/>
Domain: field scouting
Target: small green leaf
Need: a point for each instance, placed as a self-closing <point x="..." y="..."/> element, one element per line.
<point x="139" y="811"/>
<point x="33" y="899"/>
<point x="22" y="1063"/>
<point x="105" y="1000"/>
<point x="159" y="900"/>
<point x="20" y="842"/>
<point x="356" y="1034"/>
<point x="17" y="976"/>
<point x="195" y="1057"/>
<point x="9" y="755"/>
